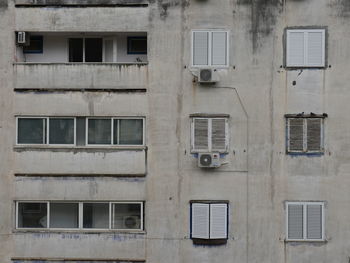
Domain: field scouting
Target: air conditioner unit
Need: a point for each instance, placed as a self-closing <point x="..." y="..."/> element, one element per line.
<point x="209" y="160"/>
<point x="22" y="38"/>
<point x="131" y="222"/>
<point x="207" y="75"/>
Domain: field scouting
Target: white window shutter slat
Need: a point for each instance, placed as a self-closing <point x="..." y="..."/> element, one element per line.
<point x="200" y="134"/>
<point x="218" y="134"/>
<point x="295" y="221"/>
<point x="314" y="138"/>
<point x="315" y="48"/>
<point x="296" y="134"/>
<point x="200" y="221"/>
<point x="218" y="221"/>
<point x="108" y="53"/>
<point x="200" y="48"/>
<point x="295" y="49"/>
<point x="314" y="221"/>
<point x="219" y="48"/>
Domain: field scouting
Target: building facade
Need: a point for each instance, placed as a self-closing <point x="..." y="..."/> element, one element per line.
<point x="174" y="131"/>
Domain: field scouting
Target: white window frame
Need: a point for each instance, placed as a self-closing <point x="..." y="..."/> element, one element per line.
<point x="210" y="33"/>
<point x="112" y="132"/>
<point x="305" y="147"/>
<point x="46" y="141"/>
<point x="306" y="31"/>
<point x="209" y="203"/>
<point x="304" y="204"/>
<point x="227" y="133"/>
<point x="80" y="215"/>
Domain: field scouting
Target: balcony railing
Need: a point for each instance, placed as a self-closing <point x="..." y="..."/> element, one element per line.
<point x="80" y="76"/>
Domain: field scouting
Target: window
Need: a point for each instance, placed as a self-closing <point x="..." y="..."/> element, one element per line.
<point x="85" y="49"/>
<point x="137" y="45"/>
<point x="44" y="130"/>
<point x="60" y="260"/>
<point x="209" y="220"/>
<point x="305" y="221"/>
<point x="304" y="135"/>
<point x="80" y="215"/>
<point x="306" y="48"/>
<point x="210" y="48"/>
<point x="111" y="131"/>
<point x="80" y="131"/>
<point x="209" y="134"/>
<point x="35" y="45"/>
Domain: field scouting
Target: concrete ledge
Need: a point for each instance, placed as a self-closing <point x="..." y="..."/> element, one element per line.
<point x="39" y="3"/>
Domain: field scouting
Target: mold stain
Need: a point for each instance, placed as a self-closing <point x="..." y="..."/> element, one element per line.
<point x="342" y="7"/>
<point x="263" y="18"/>
<point x="164" y="5"/>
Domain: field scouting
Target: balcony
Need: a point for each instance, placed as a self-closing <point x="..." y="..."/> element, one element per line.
<point x="39" y="3"/>
<point x="81" y="61"/>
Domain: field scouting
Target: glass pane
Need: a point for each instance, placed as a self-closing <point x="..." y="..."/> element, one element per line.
<point x="64" y="215"/>
<point x="32" y="215"/>
<point x="81" y="131"/>
<point x="99" y="131"/>
<point x="30" y="131"/>
<point x="61" y="131"/>
<point x="126" y="216"/>
<point x="137" y="45"/>
<point x="75" y="50"/>
<point x="96" y="215"/>
<point x="130" y="132"/>
<point x="93" y="50"/>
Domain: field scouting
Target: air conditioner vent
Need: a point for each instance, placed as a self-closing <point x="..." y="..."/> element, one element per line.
<point x="22" y="38"/>
<point x="207" y="75"/>
<point x="209" y="160"/>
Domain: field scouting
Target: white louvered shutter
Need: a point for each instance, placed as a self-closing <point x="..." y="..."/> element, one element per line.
<point x="218" y="134"/>
<point x="296" y="134"/>
<point x="219" y="48"/>
<point x="200" y="134"/>
<point x="295" y="221"/>
<point x="315" y="48"/>
<point x="200" y="221"/>
<point x="314" y="134"/>
<point x="108" y="53"/>
<point x="295" y="48"/>
<point x="200" y="48"/>
<point x="218" y="221"/>
<point x="314" y="221"/>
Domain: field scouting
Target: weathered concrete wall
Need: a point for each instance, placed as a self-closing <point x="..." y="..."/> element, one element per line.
<point x="255" y="90"/>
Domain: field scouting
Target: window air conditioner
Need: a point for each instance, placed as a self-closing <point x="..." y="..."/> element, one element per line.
<point x="22" y="38"/>
<point x="207" y="75"/>
<point x="209" y="160"/>
<point x="131" y="222"/>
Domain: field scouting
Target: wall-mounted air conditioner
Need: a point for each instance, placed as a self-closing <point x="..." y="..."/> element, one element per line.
<point x="209" y="160"/>
<point x="22" y="38"/>
<point x="207" y="75"/>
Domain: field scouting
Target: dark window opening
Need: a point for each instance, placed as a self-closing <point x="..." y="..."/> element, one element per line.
<point x="75" y="50"/>
<point x="35" y="45"/>
<point x="137" y="45"/>
<point x="93" y="50"/>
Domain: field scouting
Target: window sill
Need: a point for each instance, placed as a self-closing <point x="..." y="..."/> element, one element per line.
<point x="79" y="231"/>
<point x="305" y="241"/>
<point x="20" y="148"/>
<point x="210" y="242"/>
<point x="309" y="154"/>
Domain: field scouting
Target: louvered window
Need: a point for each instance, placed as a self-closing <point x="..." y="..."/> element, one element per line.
<point x="209" y="48"/>
<point x="305" y="221"/>
<point x="305" y="48"/>
<point x="209" y="220"/>
<point x="209" y="135"/>
<point x="305" y="135"/>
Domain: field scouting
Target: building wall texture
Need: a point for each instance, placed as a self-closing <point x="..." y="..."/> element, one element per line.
<point x="256" y="90"/>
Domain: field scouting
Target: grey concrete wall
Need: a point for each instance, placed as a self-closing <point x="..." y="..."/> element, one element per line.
<point x="255" y="90"/>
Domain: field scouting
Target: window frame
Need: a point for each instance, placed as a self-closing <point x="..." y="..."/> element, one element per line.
<point x="46" y="130"/>
<point x="129" y="43"/>
<point x="80" y="216"/>
<point x="305" y="30"/>
<point x="38" y="38"/>
<point x="305" y="146"/>
<point x="86" y="37"/>
<point x="304" y="204"/>
<point x="227" y="135"/>
<point x="112" y="132"/>
<point x="209" y="203"/>
<point x="210" y="51"/>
